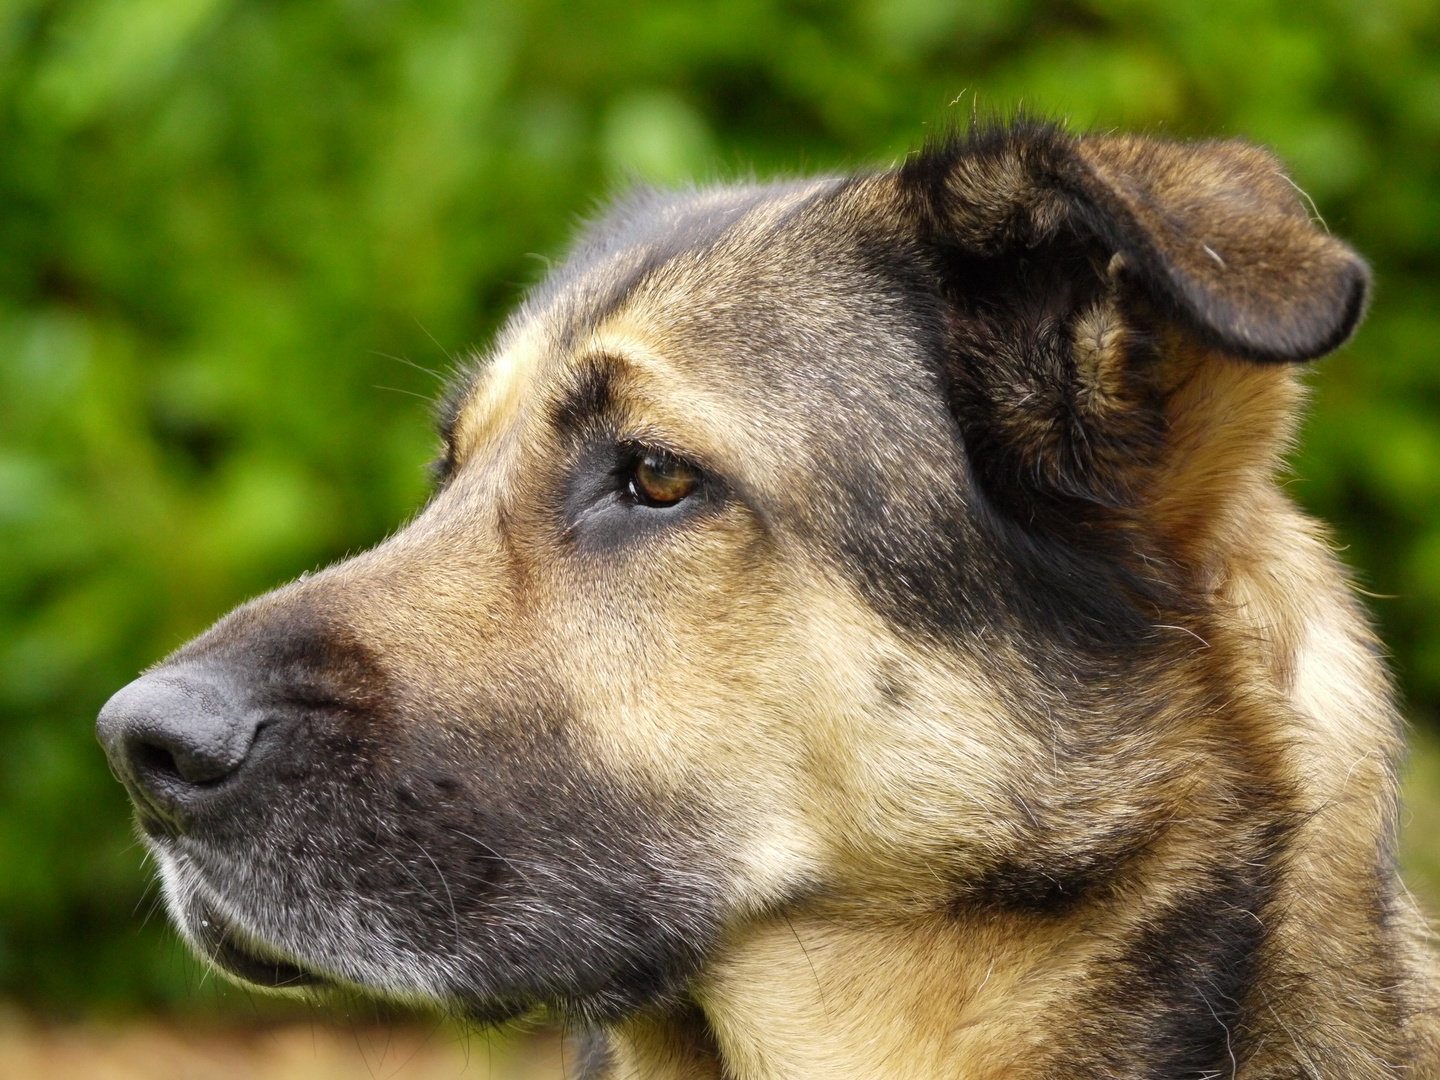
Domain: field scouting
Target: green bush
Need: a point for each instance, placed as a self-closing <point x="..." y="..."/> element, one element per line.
<point x="232" y="232"/>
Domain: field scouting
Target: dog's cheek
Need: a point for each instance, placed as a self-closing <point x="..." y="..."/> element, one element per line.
<point x="819" y="745"/>
<point x="678" y="658"/>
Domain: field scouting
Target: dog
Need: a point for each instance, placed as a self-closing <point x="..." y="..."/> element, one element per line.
<point x="856" y="631"/>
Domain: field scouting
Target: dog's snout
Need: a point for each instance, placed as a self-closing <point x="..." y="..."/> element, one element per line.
<point x="171" y="736"/>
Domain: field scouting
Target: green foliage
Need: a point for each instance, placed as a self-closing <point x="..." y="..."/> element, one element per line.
<point x="222" y="222"/>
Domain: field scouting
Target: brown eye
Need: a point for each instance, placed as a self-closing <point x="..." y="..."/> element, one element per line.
<point x="661" y="479"/>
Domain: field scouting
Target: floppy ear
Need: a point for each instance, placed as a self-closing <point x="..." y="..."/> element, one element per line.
<point x="1116" y="306"/>
<point x="1217" y="229"/>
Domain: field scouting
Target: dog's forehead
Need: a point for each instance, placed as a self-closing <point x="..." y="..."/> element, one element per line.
<point x="787" y="300"/>
<point x="652" y="234"/>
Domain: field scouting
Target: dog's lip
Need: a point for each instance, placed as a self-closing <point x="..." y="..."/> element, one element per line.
<point x="228" y="949"/>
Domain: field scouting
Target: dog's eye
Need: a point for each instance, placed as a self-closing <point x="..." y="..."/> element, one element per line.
<point x="661" y="479"/>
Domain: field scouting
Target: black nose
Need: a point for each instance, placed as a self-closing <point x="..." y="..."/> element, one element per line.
<point x="171" y="736"/>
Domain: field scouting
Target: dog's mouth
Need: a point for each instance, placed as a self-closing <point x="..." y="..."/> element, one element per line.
<point x="233" y="951"/>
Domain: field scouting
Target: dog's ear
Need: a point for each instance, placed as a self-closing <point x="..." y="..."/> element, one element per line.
<point x="1213" y="231"/>
<point x="1117" y="308"/>
<point x="1218" y="232"/>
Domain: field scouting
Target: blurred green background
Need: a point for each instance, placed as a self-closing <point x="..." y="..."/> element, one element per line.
<point x="228" y="228"/>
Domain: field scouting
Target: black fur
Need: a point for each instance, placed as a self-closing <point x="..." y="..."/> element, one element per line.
<point x="1186" y="987"/>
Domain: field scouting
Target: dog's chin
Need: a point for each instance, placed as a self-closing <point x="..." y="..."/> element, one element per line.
<point x="245" y="957"/>
<point x="242" y="957"/>
<point x="221" y="940"/>
<point x="228" y="934"/>
<point x="246" y="960"/>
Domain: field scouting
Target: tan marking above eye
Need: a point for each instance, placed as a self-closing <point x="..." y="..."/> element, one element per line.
<point x="662" y="479"/>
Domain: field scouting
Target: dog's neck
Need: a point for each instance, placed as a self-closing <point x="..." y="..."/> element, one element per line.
<point x="803" y="998"/>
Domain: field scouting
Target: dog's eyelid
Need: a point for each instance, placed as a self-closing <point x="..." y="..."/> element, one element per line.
<point x="637" y="446"/>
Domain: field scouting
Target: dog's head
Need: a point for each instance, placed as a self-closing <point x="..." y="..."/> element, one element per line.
<point x="792" y="543"/>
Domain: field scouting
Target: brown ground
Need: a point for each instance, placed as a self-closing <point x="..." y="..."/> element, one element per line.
<point x="293" y="1051"/>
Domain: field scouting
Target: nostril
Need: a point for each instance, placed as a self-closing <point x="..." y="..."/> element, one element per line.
<point x="153" y="760"/>
<point x="154" y="754"/>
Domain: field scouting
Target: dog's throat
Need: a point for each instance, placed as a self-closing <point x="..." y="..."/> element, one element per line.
<point x="981" y="995"/>
<point x="807" y="999"/>
<point x="937" y="996"/>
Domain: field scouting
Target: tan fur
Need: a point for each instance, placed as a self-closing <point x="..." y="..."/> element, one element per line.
<point x="837" y="992"/>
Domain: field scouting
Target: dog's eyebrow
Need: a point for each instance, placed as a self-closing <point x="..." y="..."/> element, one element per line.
<point x="589" y="392"/>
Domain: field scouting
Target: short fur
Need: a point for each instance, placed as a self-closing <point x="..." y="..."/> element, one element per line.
<point x="986" y="711"/>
